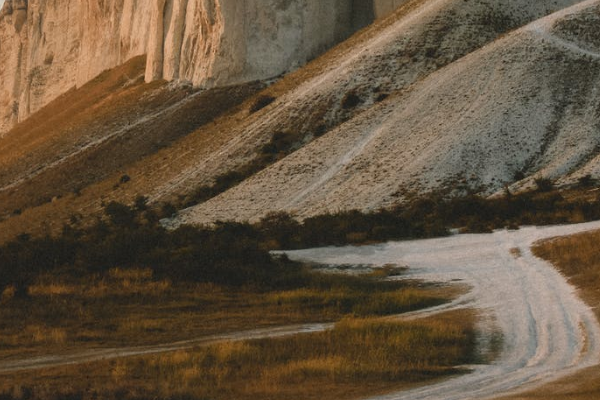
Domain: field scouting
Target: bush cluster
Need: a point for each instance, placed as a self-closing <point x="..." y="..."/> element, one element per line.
<point x="261" y="102"/>
<point x="126" y="237"/>
<point x="236" y="254"/>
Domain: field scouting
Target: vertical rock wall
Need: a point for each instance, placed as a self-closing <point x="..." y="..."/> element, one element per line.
<point x="48" y="47"/>
<point x="382" y="8"/>
<point x="218" y="42"/>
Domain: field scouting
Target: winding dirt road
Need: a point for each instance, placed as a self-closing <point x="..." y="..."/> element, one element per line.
<point x="547" y="331"/>
<point x="74" y="358"/>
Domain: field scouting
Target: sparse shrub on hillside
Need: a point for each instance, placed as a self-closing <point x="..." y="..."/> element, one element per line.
<point x="167" y="210"/>
<point x="140" y="203"/>
<point x="586" y="181"/>
<point x="281" y="143"/>
<point x="124" y="179"/>
<point x="381" y="97"/>
<point x="120" y="214"/>
<point x="261" y="102"/>
<point x="430" y="52"/>
<point x="279" y="230"/>
<point x="544" y="184"/>
<point x="519" y="176"/>
<point x="351" y="100"/>
<point x="320" y="130"/>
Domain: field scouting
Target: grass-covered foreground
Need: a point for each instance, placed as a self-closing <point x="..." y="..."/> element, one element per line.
<point x="132" y="307"/>
<point x="125" y="281"/>
<point x="359" y="357"/>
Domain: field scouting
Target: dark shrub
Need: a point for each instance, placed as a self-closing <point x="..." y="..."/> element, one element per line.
<point x="544" y="184"/>
<point x="261" y="102"/>
<point x="351" y="100"/>
<point x="430" y="52"/>
<point x="120" y="214"/>
<point x="140" y="203"/>
<point x="381" y="97"/>
<point x="167" y="210"/>
<point x="586" y="181"/>
<point x="519" y="176"/>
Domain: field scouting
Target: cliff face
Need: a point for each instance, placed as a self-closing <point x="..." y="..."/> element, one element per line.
<point x="211" y="43"/>
<point x="46" y="47"/>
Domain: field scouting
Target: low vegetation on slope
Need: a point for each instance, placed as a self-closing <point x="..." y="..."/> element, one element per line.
<point x="98" y="130"/>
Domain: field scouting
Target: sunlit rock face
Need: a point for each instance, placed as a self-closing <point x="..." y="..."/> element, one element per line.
<point x="217" y="42"/>
<point x="48" y="47"/>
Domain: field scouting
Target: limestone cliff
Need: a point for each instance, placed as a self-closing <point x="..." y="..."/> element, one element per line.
<point x="48" y="47"/>
<point x="220" y="42"/>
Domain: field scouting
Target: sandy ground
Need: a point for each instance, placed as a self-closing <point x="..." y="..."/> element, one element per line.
<point x="547" y="331"/>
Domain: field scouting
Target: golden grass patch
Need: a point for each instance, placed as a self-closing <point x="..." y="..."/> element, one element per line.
<point x="359" y="357"/>
<point x="128" y="307"/>
<point x="46" y="335"/>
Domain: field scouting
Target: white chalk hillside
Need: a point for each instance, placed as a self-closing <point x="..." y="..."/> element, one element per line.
<point x="528" y="102"/>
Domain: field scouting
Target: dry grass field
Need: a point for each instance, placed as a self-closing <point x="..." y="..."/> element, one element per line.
<point x="132" y="307"/>
<point x="358" y="358"/>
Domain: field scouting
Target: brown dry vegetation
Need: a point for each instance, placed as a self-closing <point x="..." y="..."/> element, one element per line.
<point x="359" y="357"/>
<point x="578" y="258"/>
<point x="132" y="307"/>
<point x="100" y="129"/>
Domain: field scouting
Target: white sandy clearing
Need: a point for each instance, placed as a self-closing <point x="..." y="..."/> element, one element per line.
<point x="547" y="331"/>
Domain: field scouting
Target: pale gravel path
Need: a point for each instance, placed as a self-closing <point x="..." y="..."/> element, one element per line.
<point x="548" y="332"/>
<point x="57" y="360"/>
